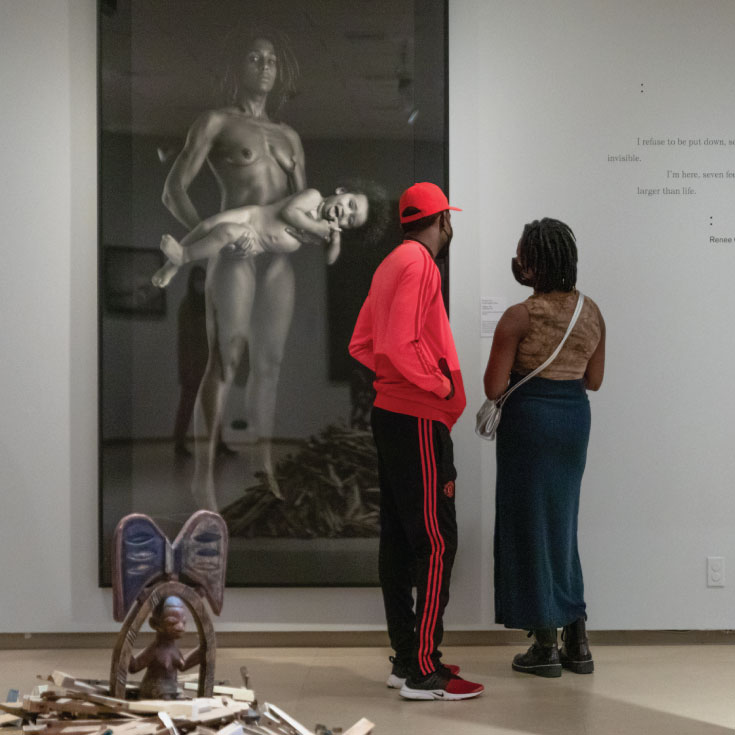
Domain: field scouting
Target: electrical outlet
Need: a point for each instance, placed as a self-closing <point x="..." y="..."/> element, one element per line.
<point x="715" y="571"/>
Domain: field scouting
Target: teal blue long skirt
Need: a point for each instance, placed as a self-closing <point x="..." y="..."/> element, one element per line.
<point x="541" y="450"/>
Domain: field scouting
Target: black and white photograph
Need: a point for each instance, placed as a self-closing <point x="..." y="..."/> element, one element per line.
<point x="253" y="154"/>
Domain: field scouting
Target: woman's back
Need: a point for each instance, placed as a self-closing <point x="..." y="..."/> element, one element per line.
<point x="549" y="315"/>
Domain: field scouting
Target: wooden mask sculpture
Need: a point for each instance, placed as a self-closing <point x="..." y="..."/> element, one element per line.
<point x="153" y="577"/>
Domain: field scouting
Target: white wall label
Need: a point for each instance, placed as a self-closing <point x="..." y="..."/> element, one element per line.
<point x="491" y="309"/>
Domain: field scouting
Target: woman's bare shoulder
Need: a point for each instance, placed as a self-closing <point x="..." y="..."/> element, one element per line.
<point x="518" y="311"/>
<point x="290" y="133"/>
<point x="210" y="119"/>
<point x="595" y="308"/>
<point x="515" y="319"/>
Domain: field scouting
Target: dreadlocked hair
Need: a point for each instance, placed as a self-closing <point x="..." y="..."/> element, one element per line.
<point x="239" y="43"/>
<point x="549" y="249"/>
<point x="378" y="209"/>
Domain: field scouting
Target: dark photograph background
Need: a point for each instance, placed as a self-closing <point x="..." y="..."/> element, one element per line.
<point x="370" y="102"/>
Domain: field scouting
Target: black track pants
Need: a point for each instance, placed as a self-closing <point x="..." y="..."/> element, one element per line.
<point x="418" y="531"/>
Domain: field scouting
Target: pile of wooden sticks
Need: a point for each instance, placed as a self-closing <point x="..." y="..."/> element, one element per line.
<point x="64" y="705"/>
<point x="329" y="487"/>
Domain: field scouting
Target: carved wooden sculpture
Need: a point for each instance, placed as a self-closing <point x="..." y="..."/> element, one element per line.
<point x="153" y="577"/>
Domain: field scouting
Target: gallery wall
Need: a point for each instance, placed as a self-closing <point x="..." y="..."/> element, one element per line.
<point x="557" y="109"/>
<point x="550" y="106"/>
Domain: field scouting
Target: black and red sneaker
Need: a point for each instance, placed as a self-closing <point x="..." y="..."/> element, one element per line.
<point x="401" y="671"/>
<point x="440" y="684"/>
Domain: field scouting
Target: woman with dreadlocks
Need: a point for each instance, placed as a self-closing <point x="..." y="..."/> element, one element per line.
<point x="541" y="450"/>
<point x="255" y="160"/>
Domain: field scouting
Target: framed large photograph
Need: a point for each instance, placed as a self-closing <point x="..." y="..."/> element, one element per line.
<point x="261" y="146"/>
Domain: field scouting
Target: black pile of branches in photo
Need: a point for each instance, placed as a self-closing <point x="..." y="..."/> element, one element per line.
<point x="329" y="489"/>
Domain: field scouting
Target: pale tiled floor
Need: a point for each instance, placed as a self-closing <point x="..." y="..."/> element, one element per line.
<point x="652" y="690"/>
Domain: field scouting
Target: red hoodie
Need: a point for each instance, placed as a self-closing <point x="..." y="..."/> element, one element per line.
<point x="402" y="334"/>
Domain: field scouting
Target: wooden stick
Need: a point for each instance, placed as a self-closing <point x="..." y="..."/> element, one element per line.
<point x="280" y="714"/>
<point x="239" y="694"/>
<point x="234" y="728"/>
<point x="168" y="723"/>
<point x="361" y="727"/>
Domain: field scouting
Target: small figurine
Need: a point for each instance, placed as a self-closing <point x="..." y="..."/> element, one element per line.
<point x="162" y="659"/>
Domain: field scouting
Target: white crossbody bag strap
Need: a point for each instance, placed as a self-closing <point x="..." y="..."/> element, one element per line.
<point x="552" y="356"/>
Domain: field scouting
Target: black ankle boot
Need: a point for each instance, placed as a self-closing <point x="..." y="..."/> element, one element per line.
<point x="575" y="654"/>
<point x="542" y="658"/>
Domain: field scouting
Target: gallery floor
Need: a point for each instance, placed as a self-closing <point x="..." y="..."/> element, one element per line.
<point x="652" y="690"/>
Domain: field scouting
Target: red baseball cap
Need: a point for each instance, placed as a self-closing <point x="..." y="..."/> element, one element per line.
<point x="428" y="198"/>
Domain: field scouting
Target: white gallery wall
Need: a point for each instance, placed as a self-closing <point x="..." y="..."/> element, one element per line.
<point x="556" y="109"/>
<point x="542" y="94"/>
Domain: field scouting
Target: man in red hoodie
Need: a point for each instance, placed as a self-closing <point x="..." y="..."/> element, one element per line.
<point x="403" y="335"/>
